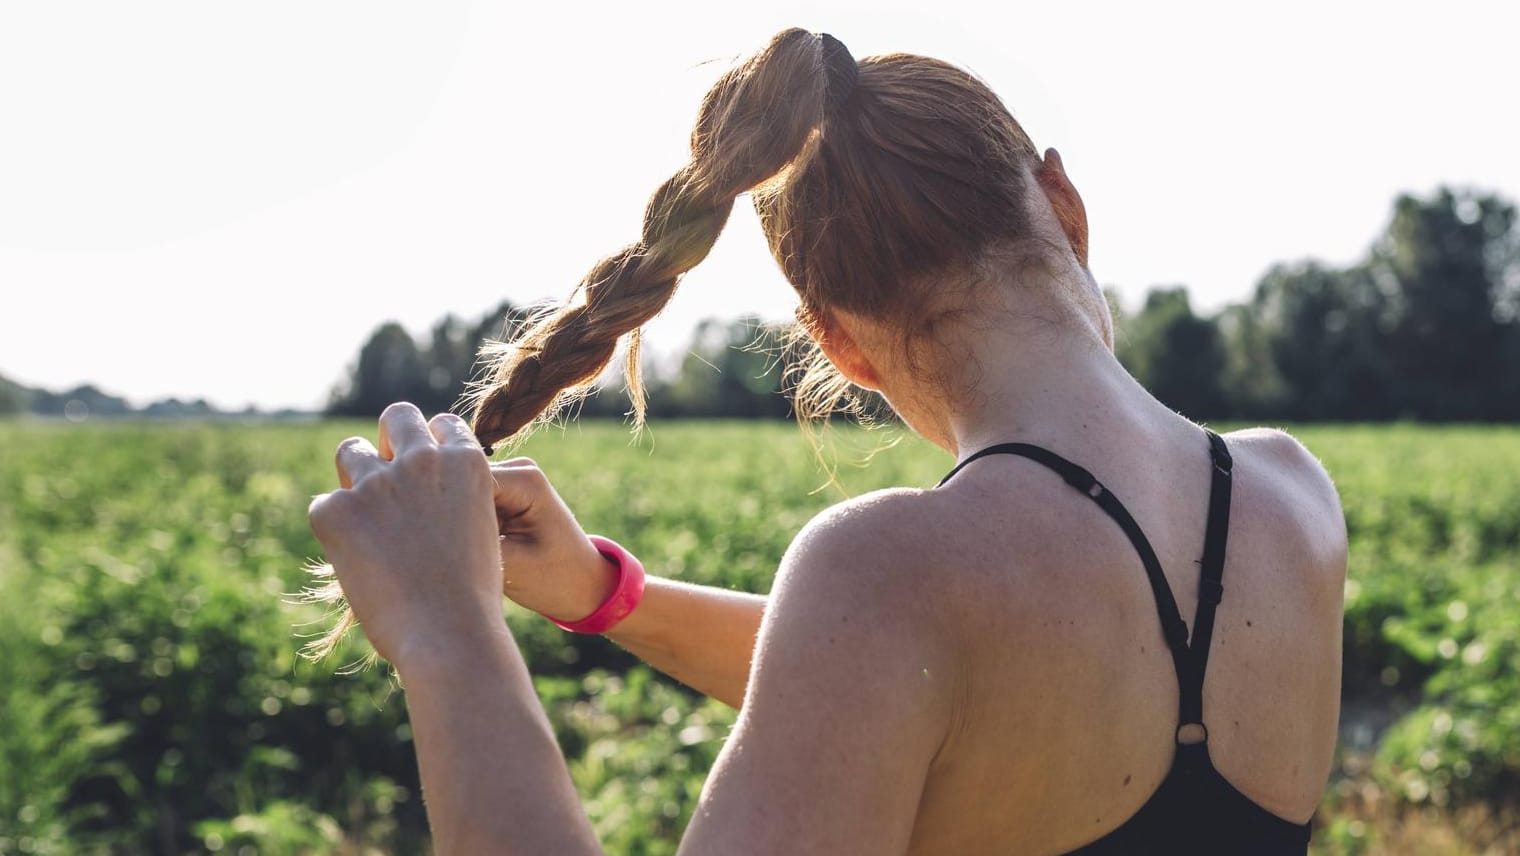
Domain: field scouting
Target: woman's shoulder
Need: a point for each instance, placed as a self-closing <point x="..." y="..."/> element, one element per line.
<point x="877" y="556"/>
<point x="911" y="559"/>
<point x="856" y="606"/>
<point x="1278" y="478"/>
<point x="1286" y="455"/>
<point x="1289" y="518"/>
<point x="884" y="538"/>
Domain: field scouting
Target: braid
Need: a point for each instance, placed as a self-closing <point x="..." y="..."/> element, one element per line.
<point x="874" y="181"/>
<point x="756" y="120"/>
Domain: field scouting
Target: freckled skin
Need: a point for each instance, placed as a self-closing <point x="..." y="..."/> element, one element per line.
<point x="1056" y="711"/>
<point x="1097" y="733"/>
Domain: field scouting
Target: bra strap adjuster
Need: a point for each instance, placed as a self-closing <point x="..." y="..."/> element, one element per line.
<point x="1196" y="732"/>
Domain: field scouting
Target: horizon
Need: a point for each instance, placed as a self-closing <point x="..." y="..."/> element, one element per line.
<point x="184" y="218"/>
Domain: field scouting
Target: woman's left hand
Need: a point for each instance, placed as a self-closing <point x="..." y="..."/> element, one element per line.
<point x="412" y="534"/>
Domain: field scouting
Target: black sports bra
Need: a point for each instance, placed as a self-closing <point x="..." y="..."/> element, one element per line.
<point x="1195" y="810"/>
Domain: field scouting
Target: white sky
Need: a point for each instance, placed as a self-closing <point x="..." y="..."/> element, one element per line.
<point x="222" y="200"/>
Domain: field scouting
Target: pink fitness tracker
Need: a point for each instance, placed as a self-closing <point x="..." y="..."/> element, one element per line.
<point x="626" y="594"/>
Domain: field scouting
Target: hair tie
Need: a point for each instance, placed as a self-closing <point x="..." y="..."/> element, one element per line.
<point x="840" y="71"/>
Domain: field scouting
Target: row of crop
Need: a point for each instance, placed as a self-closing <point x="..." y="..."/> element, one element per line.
<point x="153" y="701"/>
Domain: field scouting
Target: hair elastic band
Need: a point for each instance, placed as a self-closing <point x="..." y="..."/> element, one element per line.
<point x="841" y="72"/>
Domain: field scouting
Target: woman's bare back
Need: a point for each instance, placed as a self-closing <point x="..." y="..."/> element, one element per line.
<point x="1066" y="725"/>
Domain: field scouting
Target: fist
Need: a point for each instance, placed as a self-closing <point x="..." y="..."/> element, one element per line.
<point x="412" y="533"/>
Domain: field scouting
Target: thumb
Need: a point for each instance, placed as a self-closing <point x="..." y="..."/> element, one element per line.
<point x="521" y="488"/>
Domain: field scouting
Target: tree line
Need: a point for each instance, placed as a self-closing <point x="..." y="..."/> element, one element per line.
<point x="88" y="401"/>
<point x="1426" y="326"/>
<point x="731" y="369"/>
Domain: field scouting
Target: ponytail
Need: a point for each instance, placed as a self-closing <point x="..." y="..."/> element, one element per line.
<point x="758" y="119"/>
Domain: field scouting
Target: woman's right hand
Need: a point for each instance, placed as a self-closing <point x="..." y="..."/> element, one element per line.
<point x="548" y="564"/>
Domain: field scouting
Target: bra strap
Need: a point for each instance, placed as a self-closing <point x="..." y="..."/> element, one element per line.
<point x="1173" y="628"/>
<point x="1210" y="582"/>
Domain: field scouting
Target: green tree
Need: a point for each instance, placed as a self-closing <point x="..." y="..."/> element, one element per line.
<point x="1176" y="354"/>
<point x="1253" y="386"/>
<point x="1319" y="332"/>
<point x="451" y="355"/>
<point x="393" y="366"/>
<point x="1452" y="266"/>
<point x="732" y="369"/>
<point x="13" y="397"/>
<point x="390" y="368"/>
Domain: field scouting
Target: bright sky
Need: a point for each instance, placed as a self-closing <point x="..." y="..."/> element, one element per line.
<point x="222" y="200"/>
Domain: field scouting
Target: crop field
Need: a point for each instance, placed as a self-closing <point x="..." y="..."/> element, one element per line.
<point x="152" y="699"/>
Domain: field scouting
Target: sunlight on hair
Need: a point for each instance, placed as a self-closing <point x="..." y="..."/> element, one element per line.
<point x="326" y="590"/>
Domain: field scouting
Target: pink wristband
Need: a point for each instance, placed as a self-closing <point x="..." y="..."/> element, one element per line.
<point x="626" y="594"/>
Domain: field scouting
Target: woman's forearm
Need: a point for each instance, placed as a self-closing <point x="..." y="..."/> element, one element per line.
<point x="493" y="777"/>
<point x="699" y="635"/>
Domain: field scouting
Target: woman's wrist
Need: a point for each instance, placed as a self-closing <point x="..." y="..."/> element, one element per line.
<point x="621" y="589"/>
<point x="596" y="588"/>
<point x="584" y="588"/>
<point x="457" y="644"/>
<point x="567" y="584"/>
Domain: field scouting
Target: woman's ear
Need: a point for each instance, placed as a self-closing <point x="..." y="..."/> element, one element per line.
<point x="842" y="349"/>
<point x="1065" y="201"/>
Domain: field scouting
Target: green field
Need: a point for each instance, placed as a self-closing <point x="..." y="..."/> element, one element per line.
<point x="151" y="699"/>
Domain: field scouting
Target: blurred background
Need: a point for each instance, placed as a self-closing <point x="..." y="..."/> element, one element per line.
<point x="230" y="235"/>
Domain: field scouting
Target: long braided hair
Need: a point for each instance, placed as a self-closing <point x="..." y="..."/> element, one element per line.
<point x="866" y="176"/>
<point x="874" y="182"/>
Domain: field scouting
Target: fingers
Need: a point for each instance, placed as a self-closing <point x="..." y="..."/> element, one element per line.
<point x="450" y="430"/>
<point x="520" y="485"/>
<point x="356" y="458"/>
<point x="327" y="513"/>
<point x="401" y="428"/>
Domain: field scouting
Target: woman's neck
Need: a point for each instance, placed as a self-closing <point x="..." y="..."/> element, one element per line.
<point x="1038" y="382"/>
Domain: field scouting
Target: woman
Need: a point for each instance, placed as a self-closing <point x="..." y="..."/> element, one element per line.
<point x="996" y="665"/>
